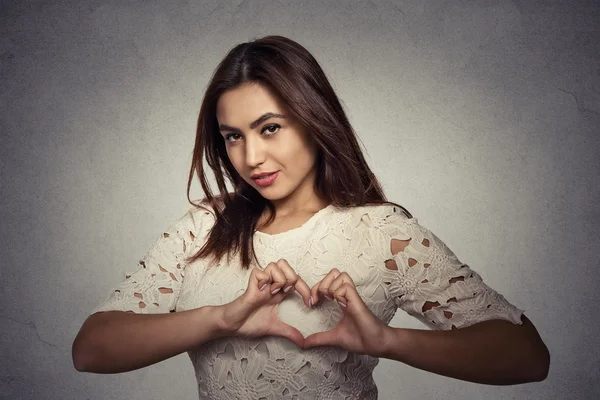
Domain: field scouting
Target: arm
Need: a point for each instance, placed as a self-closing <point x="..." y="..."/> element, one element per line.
<point x="118" y="341"/>
<point x="137" y="326"/>
<point x="494" y="352"/>
<point x="477" y="335"/>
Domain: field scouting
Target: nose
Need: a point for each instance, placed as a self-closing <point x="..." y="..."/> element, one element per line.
<point x="255" y="151"/>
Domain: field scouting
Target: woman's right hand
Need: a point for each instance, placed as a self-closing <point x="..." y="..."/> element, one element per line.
<point x="255" y="312"/>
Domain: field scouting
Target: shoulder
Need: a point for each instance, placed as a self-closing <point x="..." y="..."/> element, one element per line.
<point x="374" y="225"/>
<point x="197" y="220"/>
<point x="387" y="217"/>
<point x="201" y="214"/>
<point x="370" y="229"/>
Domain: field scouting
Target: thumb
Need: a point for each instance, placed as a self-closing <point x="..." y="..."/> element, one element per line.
<point x="328" y="338"/>
<point x="289" y="332"/>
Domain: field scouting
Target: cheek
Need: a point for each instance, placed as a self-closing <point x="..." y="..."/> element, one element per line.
<point x="302" y="159"/>
<point x="307" y="153"/>
<point x="234" y="158"/>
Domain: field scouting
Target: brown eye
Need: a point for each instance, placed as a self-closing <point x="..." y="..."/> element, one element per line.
<point x="230" y="137"/>
<point x="271" y="129"/>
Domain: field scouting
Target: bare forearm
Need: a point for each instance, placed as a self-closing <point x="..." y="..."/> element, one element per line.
<point x="116" y="341"/>
<point x="490" y="352"/>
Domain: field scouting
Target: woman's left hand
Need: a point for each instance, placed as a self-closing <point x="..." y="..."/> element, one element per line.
<point x="359" y="330"/>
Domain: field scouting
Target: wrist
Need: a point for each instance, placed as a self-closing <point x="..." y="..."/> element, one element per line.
<point x="227" y="320"/>
<point x="224" y="327"/>
<point x="395" y="341"/>
<point x="213" y="317"/>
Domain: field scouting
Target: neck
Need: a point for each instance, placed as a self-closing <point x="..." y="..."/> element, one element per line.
<point x="303" y="200"/>
<point x="312" y="204"/>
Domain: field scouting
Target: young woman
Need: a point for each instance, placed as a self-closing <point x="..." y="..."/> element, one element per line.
<point x="284" y="287"/>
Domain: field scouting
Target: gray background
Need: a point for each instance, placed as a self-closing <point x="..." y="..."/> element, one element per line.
<point x="481" y="118"/>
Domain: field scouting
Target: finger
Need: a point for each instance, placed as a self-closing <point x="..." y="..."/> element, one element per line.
<point x="294" y="281"/>
<point x="322" y="288"/>
<point x="278" y="279"/>
<point x="304" y="290"/>
<point x="338" y="282"/>
<point x="290" y="275"/>
<point x="328" y="338"/>
<point x="340" y="296"/>
<point x="259" y="279"/>
<point x="289" y="332"/>
<point x="348" y="298"/>
<point x="314" y="294"/>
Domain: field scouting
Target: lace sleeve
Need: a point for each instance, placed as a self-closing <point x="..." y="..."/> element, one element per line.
<point x="432" y="284"/>
<point x="154" y="286"/>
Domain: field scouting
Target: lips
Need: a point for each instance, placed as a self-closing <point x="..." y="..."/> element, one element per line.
<point x="264" y="179"/>
<point x="262" y="175"/>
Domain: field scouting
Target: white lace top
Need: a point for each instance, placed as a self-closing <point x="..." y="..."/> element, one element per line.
<point x="426" y="280"/>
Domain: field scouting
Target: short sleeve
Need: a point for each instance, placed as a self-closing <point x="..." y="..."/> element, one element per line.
<point x="154" y="286"/>
<point x="433" y="285"/>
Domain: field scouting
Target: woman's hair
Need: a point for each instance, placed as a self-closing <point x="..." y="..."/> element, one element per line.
<point x="342" y="174"/>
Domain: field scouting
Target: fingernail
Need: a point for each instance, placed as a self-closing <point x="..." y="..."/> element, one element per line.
<point x="263" y="287"/>
<point x="341" y="304"/>
<point x="310" y="302"/>
<point x="276" y="290"/>
<point x="287" y="289"/>
<point x="328" y="297"/>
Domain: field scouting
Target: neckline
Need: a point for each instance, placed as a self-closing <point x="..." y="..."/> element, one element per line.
<point x="308" y="224"/>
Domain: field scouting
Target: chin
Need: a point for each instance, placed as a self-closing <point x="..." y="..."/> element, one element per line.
<point x="271" y="193"/>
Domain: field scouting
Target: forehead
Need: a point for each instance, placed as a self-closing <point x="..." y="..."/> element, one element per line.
<point x="246" y="102"/>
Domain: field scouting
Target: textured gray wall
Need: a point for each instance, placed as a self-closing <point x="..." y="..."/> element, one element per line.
<point x="482" y="118"/>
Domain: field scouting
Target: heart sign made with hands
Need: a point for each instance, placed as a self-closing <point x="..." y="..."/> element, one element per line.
<point x="256" y="312"/>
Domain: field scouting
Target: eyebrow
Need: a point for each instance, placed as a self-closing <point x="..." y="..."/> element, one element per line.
<point x="259" y="120"/>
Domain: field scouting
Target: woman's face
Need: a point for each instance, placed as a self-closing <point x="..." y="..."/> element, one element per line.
<point x="261" y="136"/>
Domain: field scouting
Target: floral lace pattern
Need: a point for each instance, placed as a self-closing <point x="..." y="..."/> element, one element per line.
<point x="155" y="285"/>
<point x="425" y="279"/>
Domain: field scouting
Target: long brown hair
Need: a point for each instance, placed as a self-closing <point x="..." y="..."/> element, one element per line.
<point x="343" y="176"/>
